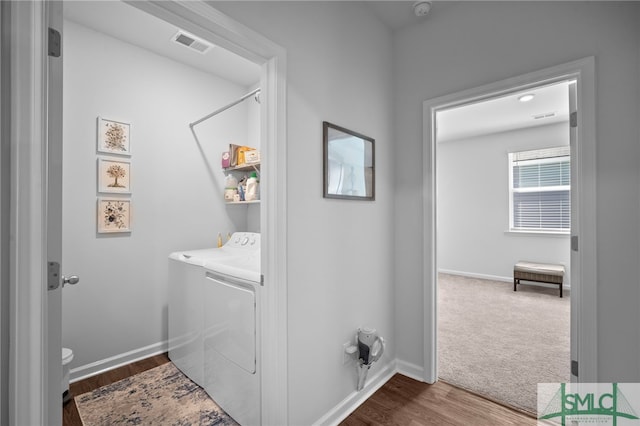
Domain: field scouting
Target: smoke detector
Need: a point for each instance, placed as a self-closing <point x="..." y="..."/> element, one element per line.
<point x="421" y="8"/>
<point x="191" y="41"/>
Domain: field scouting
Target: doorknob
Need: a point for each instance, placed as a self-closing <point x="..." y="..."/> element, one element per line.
<point x="73" y="280"/>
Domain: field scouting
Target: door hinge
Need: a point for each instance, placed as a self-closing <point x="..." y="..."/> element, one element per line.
<point x="53" y="275"/>
<point x="574" y="368"/>
<point x="574" y="242"/>
<point x="55" y="44"/>
<point x="261" y="279"/>
<point x="573" y="119"/>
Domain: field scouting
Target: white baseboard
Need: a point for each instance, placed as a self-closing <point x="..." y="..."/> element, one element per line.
<point x="475" y="275"/>
<point x="348" y="405"/>
<point x="89" y="370"/>
<point x="565" y="286"/>
<point x="408" y="369"/>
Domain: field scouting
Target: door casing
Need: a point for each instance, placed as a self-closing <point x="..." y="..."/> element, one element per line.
<point x="583" y="160"/>
<point x="30" y="399"/>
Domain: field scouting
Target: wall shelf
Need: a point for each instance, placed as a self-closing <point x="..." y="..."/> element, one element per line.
<point x="237" y="203"/>
<point x="243" y="168"/>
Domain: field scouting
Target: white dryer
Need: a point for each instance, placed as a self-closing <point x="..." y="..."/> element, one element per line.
<point x="231" y="334"/>
<point x="186" y="306"/>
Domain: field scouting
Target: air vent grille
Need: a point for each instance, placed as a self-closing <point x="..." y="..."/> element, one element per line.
<point x="545" y="115"/>
<point x="191" y="42"/>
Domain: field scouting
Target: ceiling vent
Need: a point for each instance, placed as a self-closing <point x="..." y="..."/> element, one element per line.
<point x="191" y="42"/>
<point x="545" y="115"/>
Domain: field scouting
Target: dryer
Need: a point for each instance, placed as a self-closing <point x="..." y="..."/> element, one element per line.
<point x="186" y="306"/>
<point x="231" y="334"/>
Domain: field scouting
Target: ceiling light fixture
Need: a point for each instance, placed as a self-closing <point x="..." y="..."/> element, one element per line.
<point x="527" y="97"/>
<point x="421" y="8"/>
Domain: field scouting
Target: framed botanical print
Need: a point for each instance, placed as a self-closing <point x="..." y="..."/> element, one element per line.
<point x="114" y="215"/>
<point x="114" y="137"/>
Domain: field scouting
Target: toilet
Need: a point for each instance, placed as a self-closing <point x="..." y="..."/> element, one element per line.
<point x="67" y="357"/>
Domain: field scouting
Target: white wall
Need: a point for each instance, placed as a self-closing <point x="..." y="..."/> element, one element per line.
<point x="340" y="253"/>
<point x="120" y="304"/>
<point x="473" y="205"/>
<point x="468" y="44"/>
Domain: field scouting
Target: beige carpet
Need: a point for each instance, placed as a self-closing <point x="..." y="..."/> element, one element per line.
<point x="500" y="343"/>
<point x="160" y="396"/>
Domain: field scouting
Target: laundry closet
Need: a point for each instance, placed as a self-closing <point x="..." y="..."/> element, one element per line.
<point x="125" y="74"/>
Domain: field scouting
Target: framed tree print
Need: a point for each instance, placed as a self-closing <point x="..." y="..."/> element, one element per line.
<point x="114" y="137"/>
<point x="114" y="176"/>
<point x="114" y="215"/>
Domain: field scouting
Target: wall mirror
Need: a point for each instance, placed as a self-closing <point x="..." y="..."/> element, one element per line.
<point x="349" y="167"/>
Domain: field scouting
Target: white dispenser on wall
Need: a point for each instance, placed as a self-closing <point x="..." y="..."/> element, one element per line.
<point x="369" y="348"/>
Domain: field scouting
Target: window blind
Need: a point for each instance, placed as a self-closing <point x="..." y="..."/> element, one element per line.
<point x="541" y="190"/>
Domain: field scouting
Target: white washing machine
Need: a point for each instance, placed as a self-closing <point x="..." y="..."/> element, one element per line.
<point x="186" y="307"/>
<point x="231" y="334"/>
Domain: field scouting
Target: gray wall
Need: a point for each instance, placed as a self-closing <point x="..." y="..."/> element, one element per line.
<point x="357" y="263"/>
<point x="473" y="205"/>
<point x="120" y="306"/>
<point x="340" y="253"/>
<point x="468" y="44"/>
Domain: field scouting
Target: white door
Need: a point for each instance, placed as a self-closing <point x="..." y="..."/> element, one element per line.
<point x="54" y="211"/>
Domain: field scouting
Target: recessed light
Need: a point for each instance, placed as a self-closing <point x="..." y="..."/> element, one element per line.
<point x="527" y="97"/>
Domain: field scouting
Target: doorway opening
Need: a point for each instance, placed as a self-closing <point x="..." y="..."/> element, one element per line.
<point x="38" y="354"/>
<point x="503" y="196"/>
<point x="583" y="360"/>
<point x="145" y="78"/>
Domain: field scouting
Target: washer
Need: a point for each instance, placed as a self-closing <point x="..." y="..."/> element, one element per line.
<point x="231" y="334"/>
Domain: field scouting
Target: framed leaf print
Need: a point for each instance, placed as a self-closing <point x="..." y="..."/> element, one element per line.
<point x="114" y="215"/>
<point x="114" y="137"/>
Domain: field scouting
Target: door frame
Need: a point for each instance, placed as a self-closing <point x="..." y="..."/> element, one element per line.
<point x="28" y="353"/>
<point x="584" y="268"/>
<point x="29" y="356"/>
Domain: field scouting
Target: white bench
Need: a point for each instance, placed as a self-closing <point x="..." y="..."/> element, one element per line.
<point x="539" y="272"/>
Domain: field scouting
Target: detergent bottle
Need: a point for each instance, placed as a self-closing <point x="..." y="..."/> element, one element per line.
<point x="252" y="187"/>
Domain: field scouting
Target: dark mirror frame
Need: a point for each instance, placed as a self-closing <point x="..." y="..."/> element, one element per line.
<point x="367" y="171"/>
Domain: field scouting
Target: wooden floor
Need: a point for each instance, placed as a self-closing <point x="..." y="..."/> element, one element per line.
<point x="401" y="401"/>
<point x="70" y="415"/>
<point x="407" y="402"/>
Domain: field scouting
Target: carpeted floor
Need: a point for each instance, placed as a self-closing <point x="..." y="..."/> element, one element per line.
<point x="162" y="396"/>
<point x="500" y="343"/>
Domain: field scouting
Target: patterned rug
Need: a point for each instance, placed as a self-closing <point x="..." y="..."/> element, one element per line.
<point x="160" y="396"/>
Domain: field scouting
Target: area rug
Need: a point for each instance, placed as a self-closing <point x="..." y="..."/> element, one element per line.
<point x="160" y="396"/>
<point x="500" y="343"/>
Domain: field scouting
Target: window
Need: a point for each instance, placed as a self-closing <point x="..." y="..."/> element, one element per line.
<point x="540" y="190"/>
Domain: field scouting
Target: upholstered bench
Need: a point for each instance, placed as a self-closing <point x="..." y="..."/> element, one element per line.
<point x="539" y="272"/>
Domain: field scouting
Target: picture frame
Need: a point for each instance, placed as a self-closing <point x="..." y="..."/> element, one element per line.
<point x="114" y="137"/>
<point x="348" y="164"/>
<point x="113" y="215"/>
<point x="114" y="175"/>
